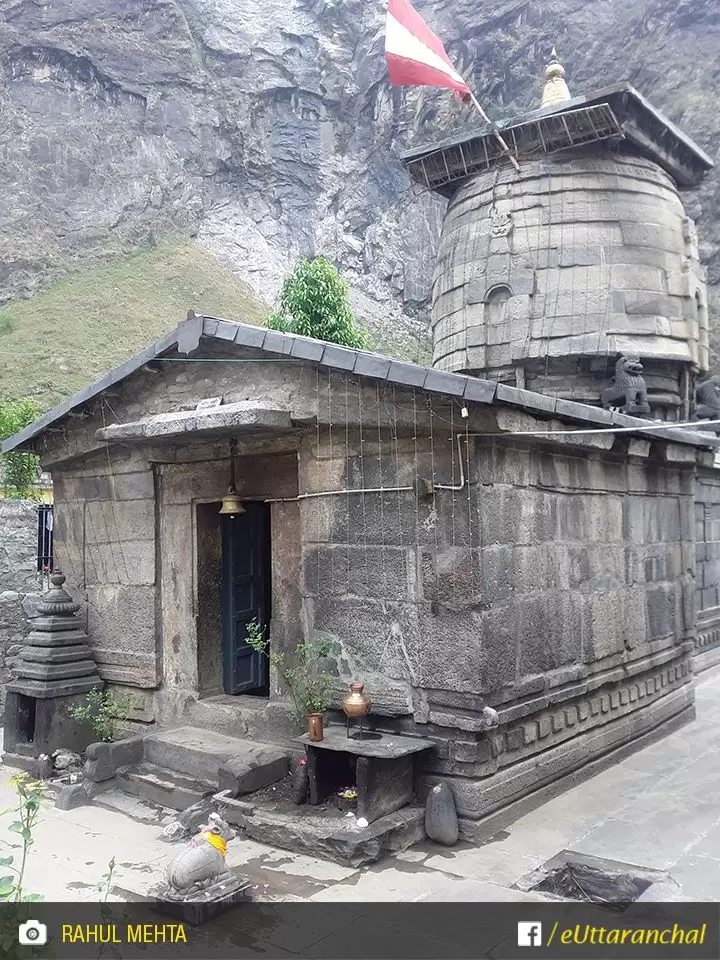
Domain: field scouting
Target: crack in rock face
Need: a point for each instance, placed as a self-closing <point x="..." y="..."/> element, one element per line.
<point x="268" y="130"/>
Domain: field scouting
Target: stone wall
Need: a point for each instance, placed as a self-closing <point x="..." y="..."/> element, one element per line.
<point x="707" y="593"/>
<point x="549" y="580"/>
<point x="585" y="258"/>
<point x="557" y="588"/>
<point x="18" y="577"/>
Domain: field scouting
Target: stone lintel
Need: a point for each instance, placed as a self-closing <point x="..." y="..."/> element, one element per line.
<point x="247" y="416"/>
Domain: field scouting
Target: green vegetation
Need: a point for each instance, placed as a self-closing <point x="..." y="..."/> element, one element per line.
<point x="80" y="328"/>
<point x="308" y="685"/>
<point x="106" y="713"/>
<point x="314" y="302"/>
<point x="19" y="470"/>
<point x="30" y="795"/>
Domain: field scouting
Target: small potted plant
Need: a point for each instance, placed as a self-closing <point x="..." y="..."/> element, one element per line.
<point x="308" y="685"/>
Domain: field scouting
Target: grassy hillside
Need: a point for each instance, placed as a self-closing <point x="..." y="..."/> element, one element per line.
<point x="75" y="331"/>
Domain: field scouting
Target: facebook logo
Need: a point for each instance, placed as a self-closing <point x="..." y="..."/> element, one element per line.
<point x="530" y="934"/>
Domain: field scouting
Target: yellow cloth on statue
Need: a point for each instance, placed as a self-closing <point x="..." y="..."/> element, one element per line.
<point x="216" y="841"/>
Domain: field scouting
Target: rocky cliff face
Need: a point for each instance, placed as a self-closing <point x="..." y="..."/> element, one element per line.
<point x="266" y="128"/>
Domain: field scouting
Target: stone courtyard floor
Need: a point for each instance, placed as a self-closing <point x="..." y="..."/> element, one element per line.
<point x="658" y="808"/>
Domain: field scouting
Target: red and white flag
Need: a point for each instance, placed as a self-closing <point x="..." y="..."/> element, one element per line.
<point x="415" y="56"/>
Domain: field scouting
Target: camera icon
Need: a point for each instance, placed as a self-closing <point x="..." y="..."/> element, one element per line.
<point x="32" y="934"/>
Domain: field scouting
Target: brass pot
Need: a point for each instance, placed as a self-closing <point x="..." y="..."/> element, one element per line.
<point x="315" y="727"/>
<point x="356" y="703"/>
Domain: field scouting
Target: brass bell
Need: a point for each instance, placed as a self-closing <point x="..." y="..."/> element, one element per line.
<point x="231" y="503"/>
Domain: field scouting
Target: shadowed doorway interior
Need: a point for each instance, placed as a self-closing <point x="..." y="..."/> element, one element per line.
<point x="233" y="587"/>
<point x="246" y="597"/>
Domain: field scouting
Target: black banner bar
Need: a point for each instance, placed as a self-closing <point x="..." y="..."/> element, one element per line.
<point x="363" y="931"/>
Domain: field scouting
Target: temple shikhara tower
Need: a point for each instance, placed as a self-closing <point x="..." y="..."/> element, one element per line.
<point x="546" y="278"/>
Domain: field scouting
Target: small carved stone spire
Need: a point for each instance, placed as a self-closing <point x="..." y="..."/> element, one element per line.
<point x="56" y="660"/>
<point x="555" y="90"/>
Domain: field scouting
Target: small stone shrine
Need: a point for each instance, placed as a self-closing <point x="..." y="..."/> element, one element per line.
<point x="381" y="768"/>
<point x="53" y="670"/>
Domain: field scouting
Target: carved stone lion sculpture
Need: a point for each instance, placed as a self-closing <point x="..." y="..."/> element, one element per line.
<point x="707" y="403"/>
<point x="707" y="400"/>
<point x="202" y="862"/>
<point x="629" y="391"/>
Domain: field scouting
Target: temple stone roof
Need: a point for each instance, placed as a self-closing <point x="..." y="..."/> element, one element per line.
<point x="617" y="113"/>
<point x="186" y="338"/>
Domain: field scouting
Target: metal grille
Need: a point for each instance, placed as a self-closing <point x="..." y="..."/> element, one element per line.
<point x="45" y="542"/>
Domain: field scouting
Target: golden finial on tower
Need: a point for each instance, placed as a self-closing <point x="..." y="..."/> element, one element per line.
<point x="556" y="90"/>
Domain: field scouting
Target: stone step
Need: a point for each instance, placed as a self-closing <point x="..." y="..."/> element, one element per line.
<point x="200" y="753"/>
<point x="161" y="786"/>
<point x="142" y="811"/>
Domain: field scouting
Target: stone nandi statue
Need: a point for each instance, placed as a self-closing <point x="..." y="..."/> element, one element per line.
<point x="707" y="403"/>
<point x="629" y="391"/>
<point x="202" y="863"/>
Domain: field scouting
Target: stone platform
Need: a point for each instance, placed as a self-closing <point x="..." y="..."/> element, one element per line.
<point x="323" y="832"/>
<point x="380" y="767"/>
<point x="180" y="767"/>
<point x="206" y="905"/>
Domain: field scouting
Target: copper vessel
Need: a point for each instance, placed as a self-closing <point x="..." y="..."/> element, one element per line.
<point x="315" y="727"/>
<point x="356" y="703"/>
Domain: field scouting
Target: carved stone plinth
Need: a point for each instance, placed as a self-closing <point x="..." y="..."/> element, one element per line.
<point x="204" y="905"/>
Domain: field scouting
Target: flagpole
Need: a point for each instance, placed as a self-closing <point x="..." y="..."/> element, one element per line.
<point x="486" y="118"/>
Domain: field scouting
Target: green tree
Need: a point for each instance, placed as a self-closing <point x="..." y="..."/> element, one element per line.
<point x="19" y="470"/>
<point x="314" y="303"/>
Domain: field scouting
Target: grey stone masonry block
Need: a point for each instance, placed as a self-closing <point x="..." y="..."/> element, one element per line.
<point x="641" y="304"/>
<point x="196" y="752"/>
<point x="530" y="732"/>
<point x="225" y="330"/>
<point x="370" y="365"/>
<point x="248" y="336"/>
<point x="657" y="235"/>
<point x="449" y="383"/>
<point x="407" y="374"/>
<point x="339" y="357"/>
<point x="515" y="738"/>
<point x="104" y="759"/>
<point x="544" y="727"/>
<point x="580" y="256"/>
<point x="582" y="411"/>
<point x="277" y="342"/>
<point x="71" y="797"/>
<point x="163" y="786"/>
<point x="525" y="398"/>
<point x="260" y="766"/>
<point x="480" y="391"/>
<point x="306" y="349"/>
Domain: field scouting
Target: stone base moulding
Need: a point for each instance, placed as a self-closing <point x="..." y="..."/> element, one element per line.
<point x="609" y="720"/>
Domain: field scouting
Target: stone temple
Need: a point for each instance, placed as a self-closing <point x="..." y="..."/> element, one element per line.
<point x="524" y="575"/>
